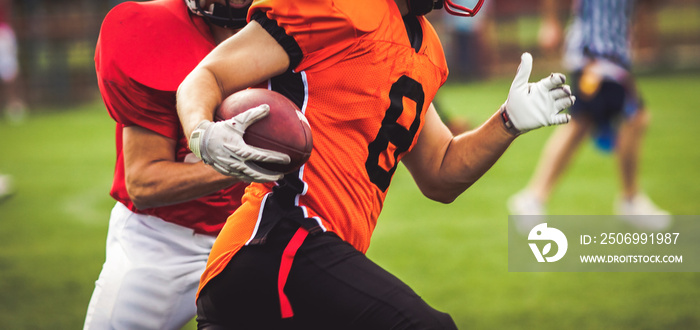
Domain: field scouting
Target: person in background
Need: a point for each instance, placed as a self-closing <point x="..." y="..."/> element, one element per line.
<point x="609" y="106"/>
<point x="469" y="52"/>
<point x="14" y="107"/>
<point x="6" y="187"/>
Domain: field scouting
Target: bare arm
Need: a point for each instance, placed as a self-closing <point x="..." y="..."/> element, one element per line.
<point x="154" y="178"/>
<point x="549" y="9"/>
<point x="444" y="166"/>
<point x="550" y="34"/>
<point x="246" y="59"/>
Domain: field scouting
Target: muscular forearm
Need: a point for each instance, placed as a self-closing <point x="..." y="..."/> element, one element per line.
<point x="444" y="166"/>
<point x="479" y="149"/>
<point x="154" y="177"/>
<point x="163" y="182"/>
<point x="470" y="155"/>
<point x="198" y="96"/>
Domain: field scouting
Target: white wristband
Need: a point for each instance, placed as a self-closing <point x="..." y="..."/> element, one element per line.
<point x="196" y="137"/>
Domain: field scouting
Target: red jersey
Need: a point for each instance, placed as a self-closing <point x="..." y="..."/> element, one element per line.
<point x="365" y="90"/>
<point x="143" y="53"/>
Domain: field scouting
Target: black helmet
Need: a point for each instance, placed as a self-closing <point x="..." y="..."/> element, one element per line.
<point x="221" y="15"/>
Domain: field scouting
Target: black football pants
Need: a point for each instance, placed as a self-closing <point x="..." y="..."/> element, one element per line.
<point x="330" y="285"/>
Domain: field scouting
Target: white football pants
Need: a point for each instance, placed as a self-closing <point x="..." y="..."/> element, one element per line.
<point x="150" y="276"/>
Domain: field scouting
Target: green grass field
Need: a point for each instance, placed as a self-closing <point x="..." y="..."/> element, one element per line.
<point x="52" y="231"/>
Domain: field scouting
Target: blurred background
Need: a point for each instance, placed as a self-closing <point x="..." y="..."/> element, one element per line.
<point x="666" y="36"/>
<point x="59" y="154"/>
<point x="57" y="38"/>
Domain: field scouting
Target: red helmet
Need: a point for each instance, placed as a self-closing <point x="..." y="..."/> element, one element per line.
<point x="458" y="10"/>
<point x="221" y="15"/>
<point x="422" y="7"/>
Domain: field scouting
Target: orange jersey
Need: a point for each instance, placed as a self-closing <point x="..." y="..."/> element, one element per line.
<point x="365" y="91"/>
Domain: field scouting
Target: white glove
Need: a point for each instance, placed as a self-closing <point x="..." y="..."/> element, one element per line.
<point x="533" y="105"/>
<point x="221" y="145"/>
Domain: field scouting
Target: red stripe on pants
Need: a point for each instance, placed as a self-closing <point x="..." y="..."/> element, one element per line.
<point x="285" y="266"/>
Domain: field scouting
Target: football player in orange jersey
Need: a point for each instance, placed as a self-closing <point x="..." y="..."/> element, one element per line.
<point x="364" y="72"/>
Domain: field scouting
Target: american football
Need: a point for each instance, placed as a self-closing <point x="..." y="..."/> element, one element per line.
<point x="284" y="129"/>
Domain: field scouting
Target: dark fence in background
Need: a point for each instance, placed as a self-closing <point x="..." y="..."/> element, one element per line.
<point x="666" y="37"/>
<point x="56" y="49"/>
<point x="57" y="40"/>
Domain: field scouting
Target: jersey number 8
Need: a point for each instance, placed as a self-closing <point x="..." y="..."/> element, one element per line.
<point x="393" y="132"/>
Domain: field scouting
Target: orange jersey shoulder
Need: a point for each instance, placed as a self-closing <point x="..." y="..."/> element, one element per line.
<point x="324" y="29"/>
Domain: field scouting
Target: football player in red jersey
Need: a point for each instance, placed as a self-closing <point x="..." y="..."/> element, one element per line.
<point x="169" y="206"/>
<point x="364" y="72"/>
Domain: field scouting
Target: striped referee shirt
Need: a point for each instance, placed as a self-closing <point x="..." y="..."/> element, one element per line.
<point x="600" y="29"/>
